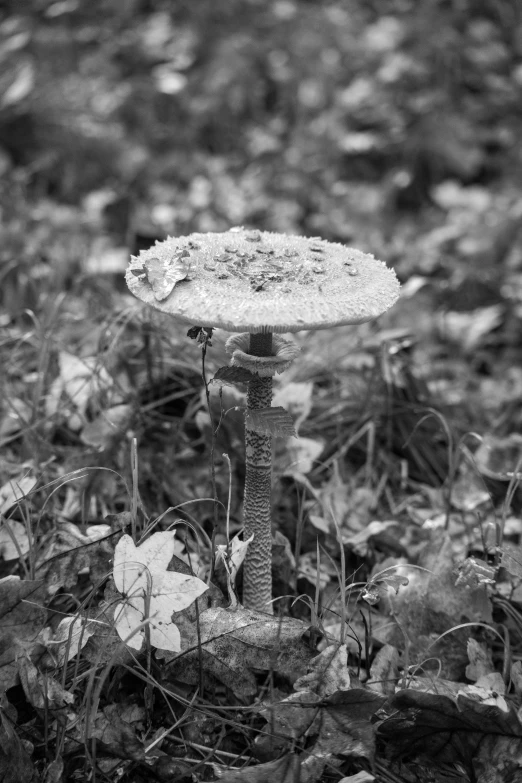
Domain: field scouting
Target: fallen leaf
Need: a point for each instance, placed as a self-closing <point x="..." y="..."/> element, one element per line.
<point x="152" y="594"/>
<point x="337" y="725"/>
<point x="80" y="380"/>
<point x="22" y="617"/>
<point x="54" y="772"/>
<point x="283" y="770"/>
<point x="359" y="541"/>
<point x="42" y="690"/>
<point x="334" y="501"/>
<point x="71" y="553"/>
<point x="429" y="605"/>
<point x="233" y="554"/>
<point x="328" y="672"/>
<point x="344" y="728"/>
<point x="14" y="490"/>
<point x="483" y="738"/>
<point x="21" y="83"/>
<point x="381" y="583"/>
<point x="384" y="672"/>
<point x="320" y="523"/>
<point x="516" y="677"/>
<point x="163" y="275"/>
<point x="480" y="660"/>
<point x="475" y="573"/>
<point x="488" y="689"/>
<point x="298" y="456"/>
<point x="469" y="329"/>
<point x="512" y="559"/>
<point x="14" y="541"/>
<point x="307" y="568"/>
<point x="15" y="762"/>
<point x="16" y="418"/>
<point x="71" y="635"/>
<point x="109" y="424"/>
<point x="118" y="735"/>
<point x="232" y="557"/>
<point x="233" y="645"/>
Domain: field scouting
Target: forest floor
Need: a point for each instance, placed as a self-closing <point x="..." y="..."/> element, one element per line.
<point x="395" y="650"/>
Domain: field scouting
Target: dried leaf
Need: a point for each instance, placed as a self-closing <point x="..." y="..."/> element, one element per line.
<point x="499" y="759"/>
<point x="236" y="644"/>
<point x="71" y="636"/>
<point x="151" y="592"/>
<point x="475" y="573"/>
<point x="15" y="762"/>
<point x="328" y="672"/>
<point x="79" y="381"/>
<point x="283" y="770"/>
<point x="384" y="671"/>
<point x="163" y="275"/>
<point x="334" y="501"/>
<point x="14" y="541"/>
<point x="512" y="559"/>
<point x="480" y="660"/>
<point x="233" y="555"/>
<point x="109" y="424"/>
<point x="293" y="717"/>
<point x="71" y="552"/>
<point x="117" y="734"/>
<point x="308" y="568"/>
<point x="339" y="725"/>
<point x="443" y="730"/>
<point x="430" y="604"/>
<point x="16" y="417"/>
<point x="271" y="421"/>
<point x="54" y="772"/>
<point x="296" y="398"/>
<point x="516" y="677"/>
<point x="359" y="541"/>
<point x="379" y="585"/>
<point x="15" y="490"/>
<point x="21" y="83"/>
<point x="469" y="329"/>
<point x="41" y="690"/>
<point x="344" y="729"/>
<point x="21" y="620"/>
<point x="297" y="457"/>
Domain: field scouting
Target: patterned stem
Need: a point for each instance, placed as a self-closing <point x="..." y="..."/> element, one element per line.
<point x="257" y="579"/>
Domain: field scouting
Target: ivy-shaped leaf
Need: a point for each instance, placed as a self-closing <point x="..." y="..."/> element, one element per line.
<point x="233" y="375"/>
<point x="271" y="421"/>
<point x="151" y="593"/>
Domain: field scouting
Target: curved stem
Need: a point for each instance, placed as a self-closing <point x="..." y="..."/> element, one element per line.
<point x="257" y="573"/>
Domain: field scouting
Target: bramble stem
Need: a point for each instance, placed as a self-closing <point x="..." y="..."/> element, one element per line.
<point x="257" y="573"/>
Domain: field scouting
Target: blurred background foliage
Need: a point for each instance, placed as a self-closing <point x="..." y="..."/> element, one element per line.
<point x="331" y="117"/>
<point x="392" y="125"/>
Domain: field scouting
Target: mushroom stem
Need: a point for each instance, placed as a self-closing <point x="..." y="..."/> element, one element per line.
<point x="257" y="573"/>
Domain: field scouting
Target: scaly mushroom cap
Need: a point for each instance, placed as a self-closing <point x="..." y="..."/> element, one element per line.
<point x="256" y="281"/>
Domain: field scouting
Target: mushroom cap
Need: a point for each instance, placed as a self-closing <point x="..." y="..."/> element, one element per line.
<point x="256" y="281"/>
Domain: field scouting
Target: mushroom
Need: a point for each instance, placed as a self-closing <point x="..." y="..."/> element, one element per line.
<point x="261" y="285"/>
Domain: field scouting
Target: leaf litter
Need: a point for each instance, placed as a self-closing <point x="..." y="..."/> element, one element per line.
<point x="406" y="673"/>
<point x="335" y="683"/>
<point x="151" y="593"/>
